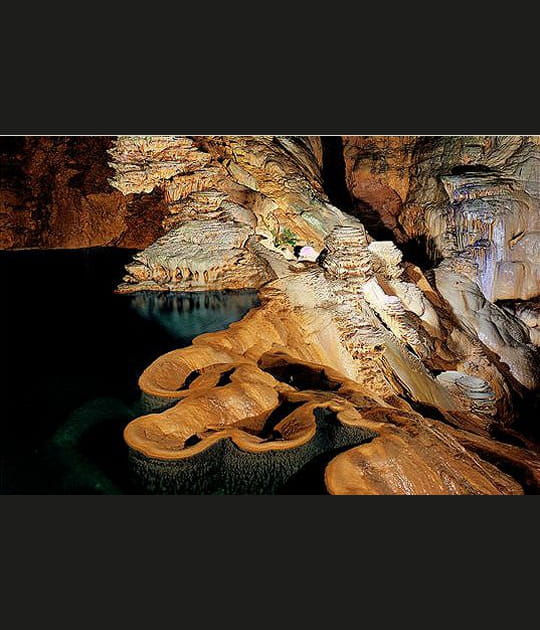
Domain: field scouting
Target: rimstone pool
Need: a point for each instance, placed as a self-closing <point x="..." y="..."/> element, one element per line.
<point x="76" y="350"/>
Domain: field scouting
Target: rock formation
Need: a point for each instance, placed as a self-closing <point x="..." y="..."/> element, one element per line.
<point x="54" y="193"/>
<point x="360" y="350"/>
<point x="237" y="193"/>
<point x="396" y="340"/>
<point x="477" y="197"/>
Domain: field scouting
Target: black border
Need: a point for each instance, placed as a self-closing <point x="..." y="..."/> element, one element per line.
<point x="449" y="101"/>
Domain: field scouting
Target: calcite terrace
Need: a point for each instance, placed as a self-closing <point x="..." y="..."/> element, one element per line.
<point x="180" y="259"/>
<point x="409" y="372"/>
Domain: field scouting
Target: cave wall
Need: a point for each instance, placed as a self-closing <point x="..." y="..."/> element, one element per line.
<point x="426" y="364"/>
<point x="54" y="193"/>
<point x="438" y="197"/>
<point x="474" y="197"/>
<point x="378" y="171"/>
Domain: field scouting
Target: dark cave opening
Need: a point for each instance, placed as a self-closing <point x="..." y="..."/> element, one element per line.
<point x="426" y="410"/>
<point x="421" y="251"/>
<point x="508" y="436"/>
<point x="301" y="377"/>
<point x="284" y="408"/>
<point x="372" y="221"/>
<point x="527" y="410"/>
<point x="333" y="173"/>
<point x="464" y="169"/>
<point x="190" y="378"/>
<point x="225" y="378"/>
<point x="335" y="185"/>
<point x="191" y="441"/>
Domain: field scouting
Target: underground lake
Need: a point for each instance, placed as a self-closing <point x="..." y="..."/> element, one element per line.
<point x="75" y="352"/>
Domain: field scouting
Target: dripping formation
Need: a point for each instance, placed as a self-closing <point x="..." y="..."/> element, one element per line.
<point x="401" y="378"/>
<point x="360" y="335"/>
<point x="395" y="347"/>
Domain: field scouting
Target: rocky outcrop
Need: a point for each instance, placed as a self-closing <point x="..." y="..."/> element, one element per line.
<point x="477" y="197"/>
<point x="381" y="331"/>
<point x="268" y="190"/>
<point x="54" y="193"/>
<point x="331" y="340"/>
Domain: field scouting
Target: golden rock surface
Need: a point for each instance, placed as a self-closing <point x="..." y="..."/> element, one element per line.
<point x="421" y="367"/>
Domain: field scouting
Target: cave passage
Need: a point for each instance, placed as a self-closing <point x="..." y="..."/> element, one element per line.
<point x="335" y="186"/>
<point x="421" y="251"/>
<point x="333" y="173"/>
<point x="301" y="377"/>
<point x="463" y="169"/>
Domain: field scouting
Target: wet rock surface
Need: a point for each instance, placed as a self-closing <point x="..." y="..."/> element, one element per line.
<point x="413" y="320"/>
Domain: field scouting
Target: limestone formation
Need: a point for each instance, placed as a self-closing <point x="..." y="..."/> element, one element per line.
<point x="54" y="193"/>
<point x="412" y="455"/>
<point x="180" y="260"/>
<point x="346" y="256"/>
<point x="401" y="329"/>
<point x="272" y="185"/>
<point x="326" y="340"/>
<point x="495" y="328"/>
<point x="475" y="392"/>
<point x="527" y="312"/>
<point x="477" y="196"/>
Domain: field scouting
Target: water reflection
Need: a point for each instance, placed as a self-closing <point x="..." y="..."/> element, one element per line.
<point x="186" y="315"/>
<point x="81" y="391"/>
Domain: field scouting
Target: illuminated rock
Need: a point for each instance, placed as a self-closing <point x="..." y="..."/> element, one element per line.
<point x="340" y="353"/>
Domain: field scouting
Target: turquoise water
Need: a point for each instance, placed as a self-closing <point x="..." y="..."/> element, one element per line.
<point x="185" y="316"/>
<point x="75" y="352"/>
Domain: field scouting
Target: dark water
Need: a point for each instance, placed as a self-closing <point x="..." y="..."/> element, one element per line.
<point x="74" y="353"/>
